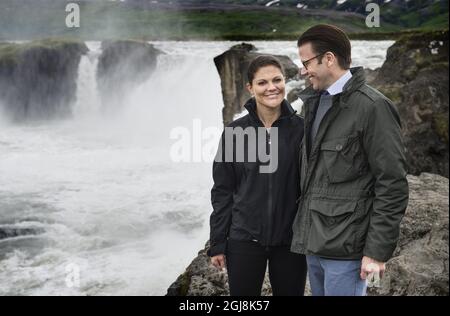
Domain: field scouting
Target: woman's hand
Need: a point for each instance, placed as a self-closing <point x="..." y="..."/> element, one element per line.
<point x="218" y="261"/>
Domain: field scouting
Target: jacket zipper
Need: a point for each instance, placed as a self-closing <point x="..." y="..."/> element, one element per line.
<point x="270" y="198"/>
<point x="270" y="195"/>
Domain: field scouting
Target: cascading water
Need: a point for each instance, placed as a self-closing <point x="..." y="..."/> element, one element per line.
<point x="88" y="101"/>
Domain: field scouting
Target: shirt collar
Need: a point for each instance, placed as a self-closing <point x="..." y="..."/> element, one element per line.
<point x="338" y="85"/>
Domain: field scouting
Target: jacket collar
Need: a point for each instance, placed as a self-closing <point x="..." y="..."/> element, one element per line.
<point x="356" y="81"/>
<point x="286" y="110"/>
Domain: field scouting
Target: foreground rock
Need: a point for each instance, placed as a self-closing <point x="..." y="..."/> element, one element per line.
<point x="415" y="77"/>
<point x="202" y="279"/>
<point x="122" y="65"/>
<point x="38" y="79"/>
<point x="420" y="262"/>
<point x="232" y="67"/>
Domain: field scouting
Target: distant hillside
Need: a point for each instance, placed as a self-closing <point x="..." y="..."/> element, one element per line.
<point x="407" y="13"/>
<point x="211" y="20"/>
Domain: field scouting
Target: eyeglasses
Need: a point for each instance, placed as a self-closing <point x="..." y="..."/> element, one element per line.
<point x="306" y="62"/>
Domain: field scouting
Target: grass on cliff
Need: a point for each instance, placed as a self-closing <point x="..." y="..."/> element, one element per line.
<point x="10" y="52"/>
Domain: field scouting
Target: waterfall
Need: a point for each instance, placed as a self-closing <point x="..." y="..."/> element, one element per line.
<point x="88" y="100"/>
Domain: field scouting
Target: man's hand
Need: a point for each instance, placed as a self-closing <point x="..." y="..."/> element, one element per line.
<point x="370" y="265"/>
<point x="218" y="261"/>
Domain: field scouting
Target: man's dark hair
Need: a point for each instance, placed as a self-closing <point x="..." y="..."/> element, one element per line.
<point x="328" y="38"/>
<point x="262" y="61"/>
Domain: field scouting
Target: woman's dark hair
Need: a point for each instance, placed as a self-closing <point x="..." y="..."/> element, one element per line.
<point x="262" y="61"/>
<point x="328" y="38"/>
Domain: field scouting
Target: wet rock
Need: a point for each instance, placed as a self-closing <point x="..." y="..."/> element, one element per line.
<point x="232" y="66"/>
<point x="420" y="262"/>
<point x="415" y="77"/>
<point x="122" y="65"/>
<point x="38" y="79"/>
<point x="9" y="232"/>
<point x="371" y="74"/>
<point x="203" y="279"/>
<point x="293" y="94"/>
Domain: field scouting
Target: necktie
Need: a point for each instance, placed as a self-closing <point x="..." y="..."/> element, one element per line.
<point x="324" y="105"/>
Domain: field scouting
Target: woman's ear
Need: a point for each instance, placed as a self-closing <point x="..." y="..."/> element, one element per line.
<point x="249" y="88"/>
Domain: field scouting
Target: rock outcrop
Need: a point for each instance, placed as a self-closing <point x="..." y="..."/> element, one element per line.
<point x="202" y="279"/>
<point x="419" y="265"/>
<point x="415" y="77"/>
<point x="38" y="79"/>
<point x="232" y="66"/>
<point x="122" y="65"/>
<point x="420" y="262"/>
<point x="10" y="232"/>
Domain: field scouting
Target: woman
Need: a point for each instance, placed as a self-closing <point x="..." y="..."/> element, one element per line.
<point x="254" y="207"/>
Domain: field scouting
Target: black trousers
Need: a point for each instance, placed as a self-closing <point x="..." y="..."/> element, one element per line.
<point x="246" y="264"/>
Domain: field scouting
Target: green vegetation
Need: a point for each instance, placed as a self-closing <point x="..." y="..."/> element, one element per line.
<point x="440" y="124"/>
<point x="394" y="93"/>
<point x="10" y="52"/>
<point x="412" y="38"/>
<point x="112" y="20"/>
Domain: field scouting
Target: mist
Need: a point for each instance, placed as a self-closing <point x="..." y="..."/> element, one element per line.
<point x="99" y="20"/>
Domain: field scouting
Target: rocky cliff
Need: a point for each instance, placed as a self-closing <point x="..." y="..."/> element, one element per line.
<point x="232" y="66"/>
<point x="415" y="77"/>
<point x="420" y="262"/>
<point x="38" y="79"/>
<point x="122" y="65"/>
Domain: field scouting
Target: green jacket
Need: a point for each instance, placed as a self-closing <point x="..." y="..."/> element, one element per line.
<point x="354" y="190"/>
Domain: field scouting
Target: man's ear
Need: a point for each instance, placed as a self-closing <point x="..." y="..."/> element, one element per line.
<point x="331" y="59"/>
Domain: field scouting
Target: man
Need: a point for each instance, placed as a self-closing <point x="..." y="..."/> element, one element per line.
<point x="354" y="190"/>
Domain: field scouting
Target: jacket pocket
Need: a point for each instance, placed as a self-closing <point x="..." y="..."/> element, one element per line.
<point x="333" y="228"/>
<point x="344" y="158"/>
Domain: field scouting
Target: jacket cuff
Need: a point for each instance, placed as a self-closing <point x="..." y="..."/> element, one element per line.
<point x="380" y="255"/>
<point x="217" y="249"/>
